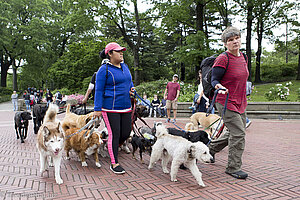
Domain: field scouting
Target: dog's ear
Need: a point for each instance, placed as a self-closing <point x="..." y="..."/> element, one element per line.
<point x="191" y="152"/>
<point x="60" y="129"/>
<point x="46" y="132"/>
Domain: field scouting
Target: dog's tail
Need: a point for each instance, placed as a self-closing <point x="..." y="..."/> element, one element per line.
<point x="51" y="113"/>
<point x="161" y="131"/>
<point x="68" y="109"/>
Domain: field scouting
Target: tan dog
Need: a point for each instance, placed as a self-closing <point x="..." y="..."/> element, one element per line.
<point x="83" y="143"/>
<point x="206" y="121"/>
<point x="71" y="120"/>
<point x="50" y="142"/>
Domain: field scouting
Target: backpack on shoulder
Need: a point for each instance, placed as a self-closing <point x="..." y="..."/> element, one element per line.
<point x="206" y="68"/>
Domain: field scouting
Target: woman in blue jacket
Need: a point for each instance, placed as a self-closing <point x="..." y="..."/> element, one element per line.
<point x="112" y="100"/>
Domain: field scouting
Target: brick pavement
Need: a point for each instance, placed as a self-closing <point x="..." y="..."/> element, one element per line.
<point x="271" y="158"/>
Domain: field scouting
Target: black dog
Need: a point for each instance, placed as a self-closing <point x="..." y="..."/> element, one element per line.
<point x="143" y="144"/>
<point x="21" y="124"/>
<point x="38" y="113"/>
<point x="197" y="136"/>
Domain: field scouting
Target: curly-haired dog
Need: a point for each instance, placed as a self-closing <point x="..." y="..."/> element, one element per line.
<point x="182" y="151"/>
<point x="38" y="113"/>
<point x="21" y="123"/>
<point x="50" y="142"/>
<point x="85" y="142"/>
<point x="71" y="120"/>
<point x="206" y="121"/>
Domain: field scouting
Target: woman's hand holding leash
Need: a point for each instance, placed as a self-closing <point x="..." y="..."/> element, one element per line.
<point x="132" y="91"/>
<point x="97" y="114"/>
<point x="223" y="90"/>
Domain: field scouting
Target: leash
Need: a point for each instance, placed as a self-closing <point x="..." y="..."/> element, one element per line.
<point x="223" y="113"/>
<point x="89" y="124"/>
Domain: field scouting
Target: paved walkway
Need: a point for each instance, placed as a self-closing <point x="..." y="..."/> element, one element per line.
<point x="271" y="158"/>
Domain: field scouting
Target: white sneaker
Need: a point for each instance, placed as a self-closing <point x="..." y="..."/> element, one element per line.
<point x="248" y="123"/>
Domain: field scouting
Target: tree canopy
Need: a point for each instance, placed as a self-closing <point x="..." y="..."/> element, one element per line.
<point x="56" y="43"/>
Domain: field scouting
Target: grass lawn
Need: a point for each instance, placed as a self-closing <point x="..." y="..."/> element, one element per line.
<point x="258" y="94"/>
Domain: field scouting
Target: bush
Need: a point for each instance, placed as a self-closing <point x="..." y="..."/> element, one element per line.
<point x="5" y="91"/>
<point x="279" y="72"/>
<point x="278" y="92"/>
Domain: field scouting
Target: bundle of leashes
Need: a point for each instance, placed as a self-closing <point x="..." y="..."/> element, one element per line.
<point x="209" y="110"/>
<point x="89" y="126"/>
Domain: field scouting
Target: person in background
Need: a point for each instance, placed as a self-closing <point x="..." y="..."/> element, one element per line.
<point x="49" y="97"/>
<point x="112" y="100"/>
<point x="200" y="101"/>
<point x="14" y="100"/>
<point x="26" y="97"/>
<point x="146" y="102"/>
<point x="231" y="77"/>
<point x="91" y="89"/>
<point x="162" y="108"/>
<point x="171" y="95"/>
<point x="248" y="92"/>
<point x="154" y="105"/>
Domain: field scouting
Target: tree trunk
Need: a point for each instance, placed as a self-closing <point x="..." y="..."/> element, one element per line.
<point x="248" y="37"/>
<point x="200" y="4"/>
<point x="258" y="53"/>
<point x="200" y="15"/>
<point x="138" y="44"/>
<point x="15" y="77"/>
<point x="4" y="68"/>
<point x="298" y="76"/>
<point x="182" y="72"/>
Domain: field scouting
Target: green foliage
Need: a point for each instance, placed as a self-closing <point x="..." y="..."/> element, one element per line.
<point x="5" y="91"/>
<point x="150" y="88"/>
<point x="278" y="72"/>
<point x="80" y="62"/>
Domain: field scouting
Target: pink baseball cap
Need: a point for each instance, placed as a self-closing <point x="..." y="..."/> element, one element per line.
<point x="114" y="46"/>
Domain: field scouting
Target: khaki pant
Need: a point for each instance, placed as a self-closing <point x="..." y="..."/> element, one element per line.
<point x="172" y="104"/>
<point x="234" y="138"/>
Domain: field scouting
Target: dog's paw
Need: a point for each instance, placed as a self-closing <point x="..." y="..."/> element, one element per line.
<point x="98" y="164"/>
<point x="84" y="164"/>
<point x="67" y="158"/>
<point x="201" y="184"/>
<point x="174" y="180"/>
<point x="42" y="171"/>
<point x="59" y="180"/>
<point x="142" y="162"/>
<point x="165" y="171"/>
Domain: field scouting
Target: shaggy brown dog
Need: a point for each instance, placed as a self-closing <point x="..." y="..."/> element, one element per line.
<point x="83" y="143"/>
<point x="206" y="121"/>
<point x="72" y="120"/>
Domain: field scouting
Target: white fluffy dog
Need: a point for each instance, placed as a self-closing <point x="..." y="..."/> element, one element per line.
<point x="181" y="150"/>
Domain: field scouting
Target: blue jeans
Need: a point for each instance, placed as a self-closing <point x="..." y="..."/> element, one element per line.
<point x="200" y="107"/>
<point x="15" y="104"/>
<point x="27" y="102"/>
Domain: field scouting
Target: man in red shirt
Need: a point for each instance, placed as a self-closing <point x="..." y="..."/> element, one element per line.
<point x="171" y="95"/>
<point x="232" y="77"/>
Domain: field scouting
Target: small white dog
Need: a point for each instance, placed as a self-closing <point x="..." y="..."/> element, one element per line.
<point x="181" y="150"/>
<point x="50" y="142"/>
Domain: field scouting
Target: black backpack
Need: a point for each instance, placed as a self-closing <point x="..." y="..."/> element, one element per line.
<point x="206" y="68"/>
<point x="59" y="96"/>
